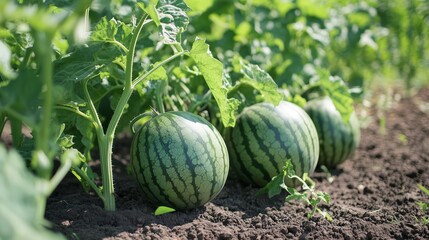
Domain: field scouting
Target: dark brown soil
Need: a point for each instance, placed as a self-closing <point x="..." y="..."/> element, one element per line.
<point x="374" y="196"/>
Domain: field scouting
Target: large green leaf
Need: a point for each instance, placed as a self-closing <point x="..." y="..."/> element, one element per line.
<point x="173" y="19"/>
<point x="112" y="31"/>
<point x="260" y="80"/>
<point x="86" y="62"/>
<point x="20" y="196"/>
<point x="336" y="89"/>
<point x="150" y="8"/>
<point x="22" y="96"/>
<point x="212" y="69"/>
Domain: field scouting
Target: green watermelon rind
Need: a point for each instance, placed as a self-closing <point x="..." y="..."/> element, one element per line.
<point x="338" y="139"/>
<point x="265" y="136"/>
<point x="179" y="160"/>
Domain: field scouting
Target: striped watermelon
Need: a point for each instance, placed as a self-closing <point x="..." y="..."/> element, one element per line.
<point x="180" y="160"/>
<point x="265" y="136"/>
<point x="338" y="140"/>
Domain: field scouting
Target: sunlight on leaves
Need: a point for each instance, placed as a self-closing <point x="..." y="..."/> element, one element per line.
<point x="261" y="81"/>
<point x="173" y="19"/>
<point x="336" y="89"/>
<point x="211" y="69"/>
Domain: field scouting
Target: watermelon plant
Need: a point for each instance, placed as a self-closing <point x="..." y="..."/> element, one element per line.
<point x="27" y="94"/>
<point x="90" y="75"/>
<point x="179" y="160"/>
<point x="338" y="139"/>
<point x="308" y="195"/>
<point x="265" y="135"/>
<point x="424" y="206"/>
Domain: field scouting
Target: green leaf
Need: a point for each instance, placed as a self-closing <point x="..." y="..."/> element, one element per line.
<point x="261" y="81"/>
<point x="163" y="210"/>
<point x="86" y="61"/>
<point x="87" y="132"/>
<point x="20" y="196"/>
<point x="295" y="195"/>
<point x="335" y="88"/>
<point x="85" y="169"/>
<point x="274" y="187"/>
<point x="325" y="214"/>
<point x="113" y="31"/>
<point x="425" y="190"/>
<point x="105" y="30"/>
<point x="173" y="19"/>
<point x="211" y="69"/>
<point x="159" y="74"/>
<point x="5" y="57"/>
<point x="22" y="96"/>
<point x="423" y="206"/>
<point x="324" y="197"/>
<point x="150" y="8"/>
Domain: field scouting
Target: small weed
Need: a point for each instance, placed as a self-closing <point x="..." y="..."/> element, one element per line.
<point x="424" y="206"/>
<point x="402" y="138"/>
<point x="308" y="195"/>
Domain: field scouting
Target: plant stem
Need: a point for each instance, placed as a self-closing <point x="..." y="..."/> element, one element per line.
<point x="93" y="110"/>
<point x="16" y="131"/>
<point x="106" y="141"/>
<point x="90" y="182"/>
<point x="43" y="50"/>
<point x="75" y="111"/>
<point x="59" y="175"/>
<point x="159" y="93"/>
<point x="3" y="120"/>
<point x="142" y="77"/>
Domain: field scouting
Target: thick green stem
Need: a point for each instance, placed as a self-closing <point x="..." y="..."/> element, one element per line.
<point x="106" y="141"/>
<point x="142" y="77"/>
<point x="16" y="129"/>
<point x="43" y="52"/>
<point x="159" y="93"/>
<point x="106" y="146"/>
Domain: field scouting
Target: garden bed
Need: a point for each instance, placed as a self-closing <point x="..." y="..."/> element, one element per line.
<point x="374" y="196"/>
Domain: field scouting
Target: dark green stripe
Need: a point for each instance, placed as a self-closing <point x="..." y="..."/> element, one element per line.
<point x="136" y="163"/>
<point x="162" y="197"/>
<point x="142" y="177"/>
<point x="212" y="159"/>
<point x="188" y="159"/>
<point x="203" y="143"/>
<point x="260" y="140"/>
<point x="251" y="156"/>
<point x="225" y="155"/>
<point x="236" y="157"/>
<point x="352" y="144"/>
<point x="343" y="147"/>
<point x="320" y="131"/>
<point x="307" y="138"/>
<point x="333" y="142"/>
<point x="165" y="148"/>
<point x="299" y="150"/>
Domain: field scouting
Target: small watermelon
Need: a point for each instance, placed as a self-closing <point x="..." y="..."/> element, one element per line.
<point x="265" y="136"/>
<point x="179" y="160"/>
<point x="338" y="139"/>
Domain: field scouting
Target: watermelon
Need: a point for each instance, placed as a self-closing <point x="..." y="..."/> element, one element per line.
<point x="179" y="160"/>
<point x="337" y="139"/>
<point x="265" y="136"/>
